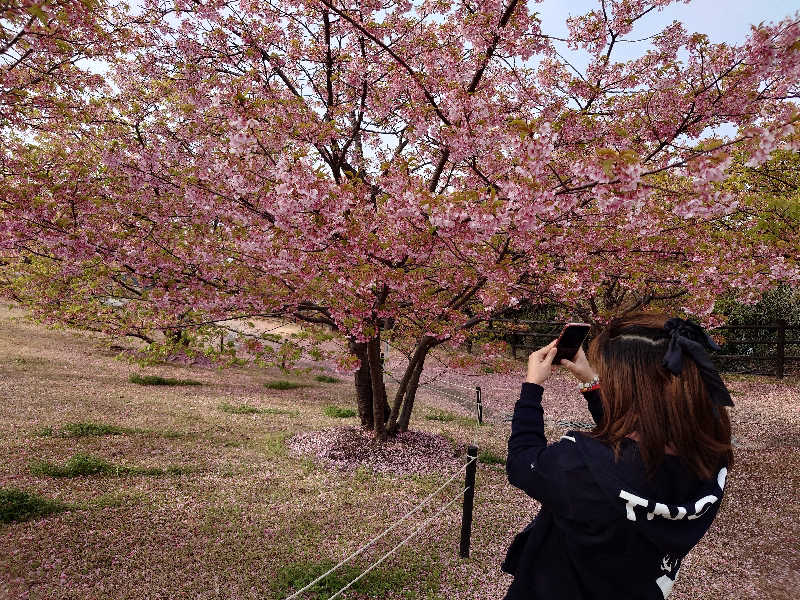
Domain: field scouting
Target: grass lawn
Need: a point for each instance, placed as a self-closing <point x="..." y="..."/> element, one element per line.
<point x="198" y="492"/>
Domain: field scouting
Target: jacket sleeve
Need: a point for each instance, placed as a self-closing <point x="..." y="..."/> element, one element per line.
<point x="533" y="466"/>
<point x="595" y="405"/>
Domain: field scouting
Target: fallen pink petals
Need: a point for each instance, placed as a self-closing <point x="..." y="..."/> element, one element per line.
<point x="409" y="453"/>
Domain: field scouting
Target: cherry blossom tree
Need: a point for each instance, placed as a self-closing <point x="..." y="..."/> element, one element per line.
<point x="430" y="163"/>
<point x="46" y="53"/>
<point x="52" y="53"/>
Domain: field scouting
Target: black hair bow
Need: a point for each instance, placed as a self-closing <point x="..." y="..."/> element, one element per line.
<point x="689" y="338"/>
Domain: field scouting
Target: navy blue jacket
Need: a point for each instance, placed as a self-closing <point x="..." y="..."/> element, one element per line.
<point x="604" y="529"/>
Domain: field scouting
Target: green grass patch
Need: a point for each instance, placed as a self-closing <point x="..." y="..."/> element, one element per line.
<point x="80" y="465"/>
<point x="174" y="434"/>
<point x="490" y="458"/>
<point x="71" y="430"/>
<point x="326" y="379"/>
<point x="117" y="499"/>
<point x="86" y="429"/>
<point x="339" y="413"/>
<point x="242" y="409"/>
<point x="17" y="505"/>
<point x="77" y="465"/>
<point x="282" y="384"/>
<point x="175" y="470"/>
<point x="447" y="417"/>
<point x="441" y="416"/>
<point x="29" y="361"/>
<point x="246" y="409"/>
<point x="378" y="583"/>
<point x="422" y="483"/>
<point x="158" y="380"/>
<point x="273" y="445"/>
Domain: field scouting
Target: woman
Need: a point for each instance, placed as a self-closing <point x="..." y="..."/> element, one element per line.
<point x="623" y="504"/>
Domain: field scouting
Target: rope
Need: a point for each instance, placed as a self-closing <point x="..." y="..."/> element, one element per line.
<point x="451" y="383"/>
<point x="398" y="546"/>
<point x="489" y="389"/>
<point x="445" y="394"/>
<point x="382" y="535"/>
<point x="459" y="399"/>
<point x="437" y="359"/>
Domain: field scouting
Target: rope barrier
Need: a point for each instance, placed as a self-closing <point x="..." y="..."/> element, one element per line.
<point x="459" y="399"/>
<point x="441" y="393"/>
<point x="437" y="359"/>
<point x="398" y="546"/>
<point x="488" y="389"/>
<point x="382" y="535"/>
<point x="446" y="368"/>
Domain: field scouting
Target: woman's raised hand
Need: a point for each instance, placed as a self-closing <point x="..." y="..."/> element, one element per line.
<point x="581" y="368"/>
<point x="540" y="363"/>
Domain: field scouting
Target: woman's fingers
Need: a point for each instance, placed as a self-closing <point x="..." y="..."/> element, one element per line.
<point x="540" y="363"/>
<point x="551" y="354"/>
<point x="542" y="352"/>
<point x="581" y="368"/>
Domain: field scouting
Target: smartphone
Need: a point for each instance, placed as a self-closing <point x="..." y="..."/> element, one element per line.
<point x="570" y="340"/>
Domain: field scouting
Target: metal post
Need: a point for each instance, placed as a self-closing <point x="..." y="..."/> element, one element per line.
<point x="478" y="404"/>
<point x="780" y="355"/>
<point x="469" y="498"/>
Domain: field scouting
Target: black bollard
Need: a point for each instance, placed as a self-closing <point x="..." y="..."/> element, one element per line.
<point x="469" y="498"/>
<point x="479" y="404"/>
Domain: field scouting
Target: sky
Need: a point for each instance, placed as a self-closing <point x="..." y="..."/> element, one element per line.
<point x="722" y="20"/>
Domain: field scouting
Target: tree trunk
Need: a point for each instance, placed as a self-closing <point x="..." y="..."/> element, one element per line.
<point x="411" y="394"/>
<point x="417" y="362"/>
<point x="417" y="357"/>
<point x="379" y="402"/>
<point x="363" y="383"/>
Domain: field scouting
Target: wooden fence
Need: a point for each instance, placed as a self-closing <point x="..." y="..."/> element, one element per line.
<point x="769" y="349"/>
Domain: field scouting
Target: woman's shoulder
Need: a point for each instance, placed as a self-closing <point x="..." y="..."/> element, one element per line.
<point x="565" y="452"/>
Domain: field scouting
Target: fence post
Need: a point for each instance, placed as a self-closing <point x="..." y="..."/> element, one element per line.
<point x="479" y="404"/>
<point x="469" y="498"/>
<point x="780" y="355"/>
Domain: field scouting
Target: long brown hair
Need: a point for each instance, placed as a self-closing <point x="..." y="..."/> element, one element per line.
<point x="640" y="395"/>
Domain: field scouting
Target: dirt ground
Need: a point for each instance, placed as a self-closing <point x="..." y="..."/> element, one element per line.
<point x="237" y="514"/>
